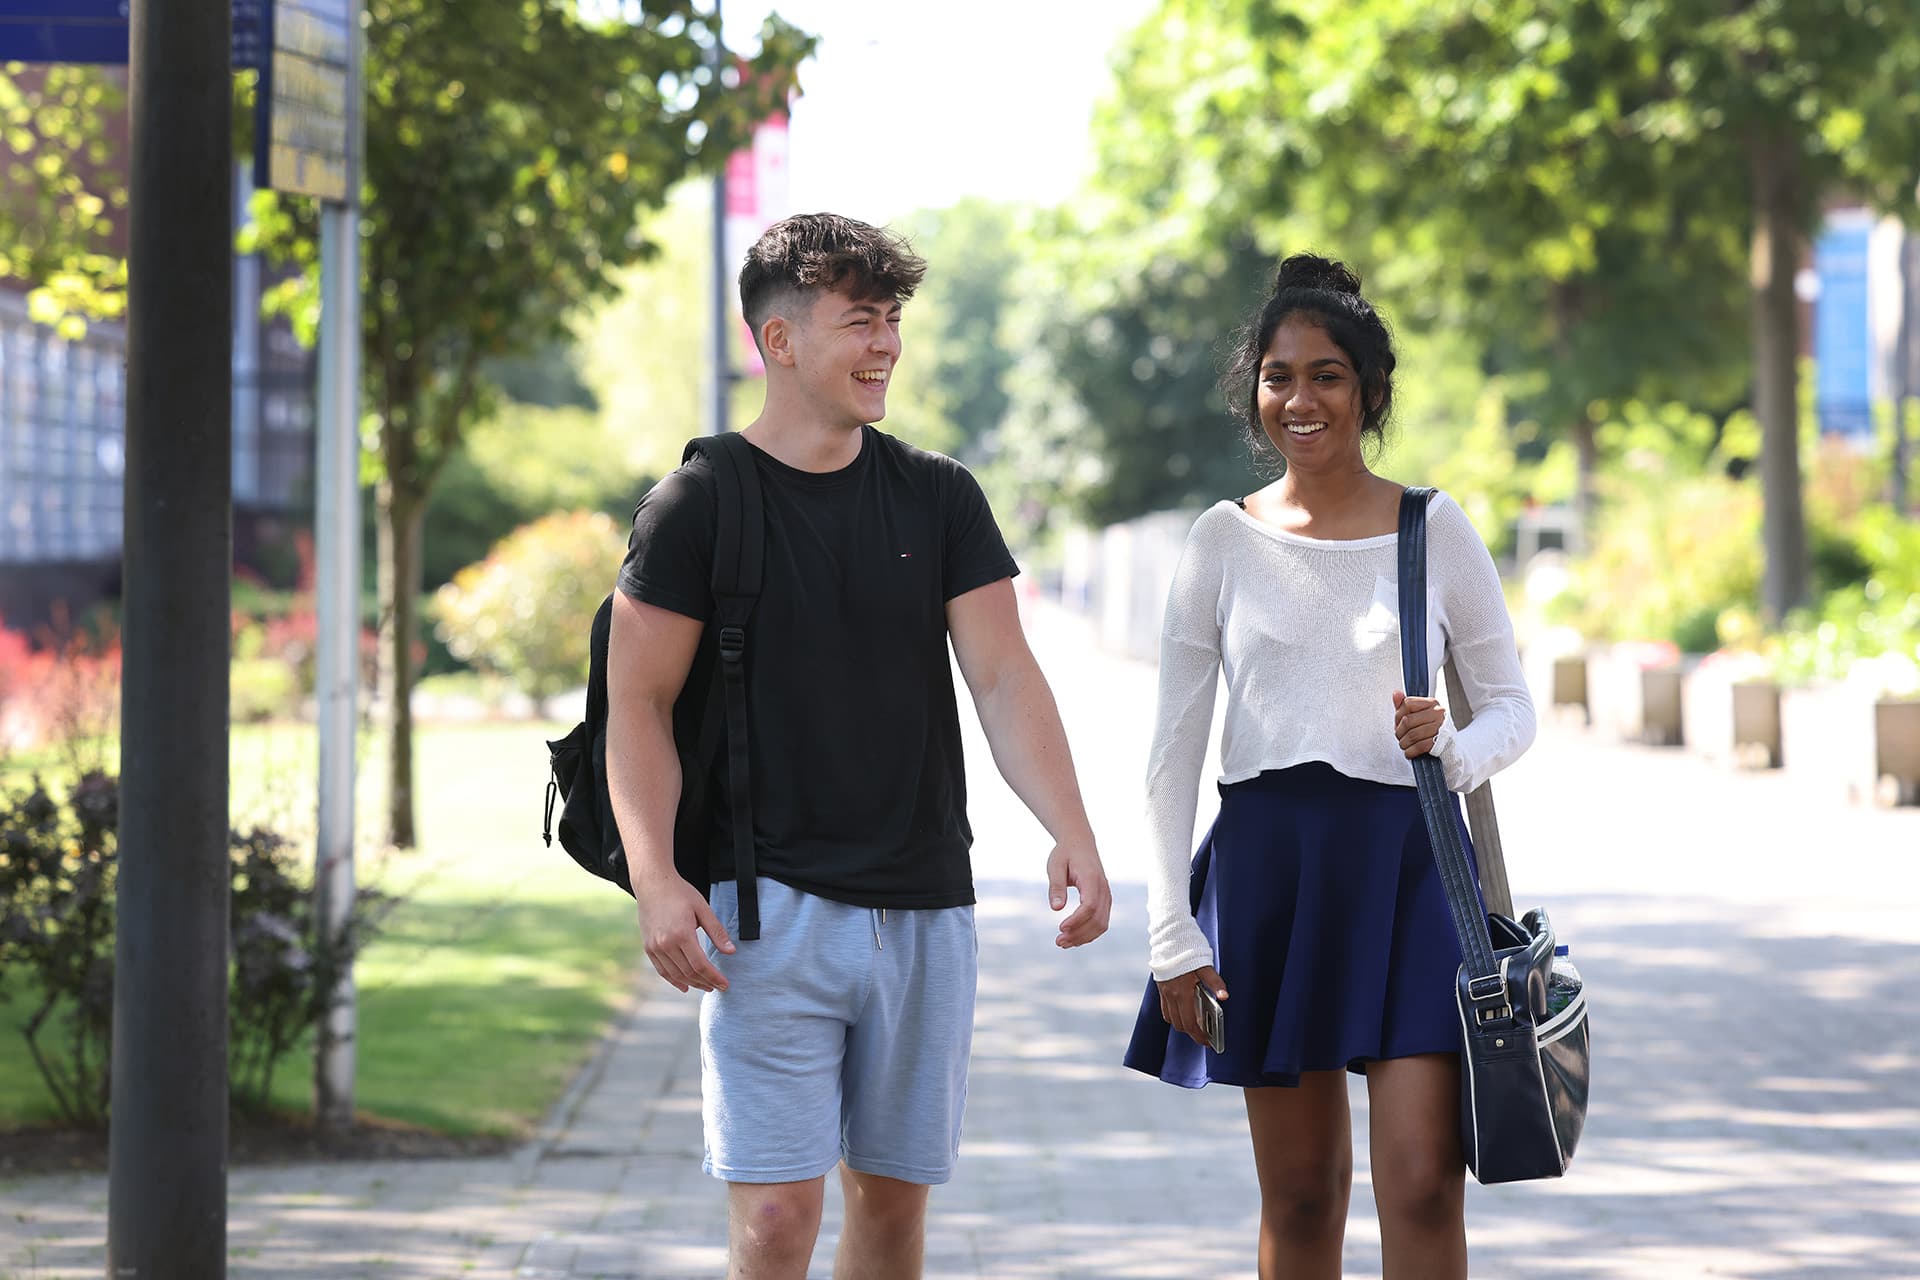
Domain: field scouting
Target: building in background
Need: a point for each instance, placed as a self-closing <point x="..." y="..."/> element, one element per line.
<point x="62" y="450"/>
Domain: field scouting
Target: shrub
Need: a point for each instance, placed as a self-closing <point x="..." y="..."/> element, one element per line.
<point x="284" y="972"/>
<point x="1666" y="565"/>
<point x="57" y="878"/>
<point x="1676" y="543"/>
<point x="525" y="611"/>
<point x="62" y="685"/>
<point x="1875" y="620"/>
<point x="58" y="881"/>
<point x="523" y="463"/>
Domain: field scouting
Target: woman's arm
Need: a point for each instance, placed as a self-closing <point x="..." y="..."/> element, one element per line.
<point x="1479" y="639"/>
<point x="1189" y="670"/>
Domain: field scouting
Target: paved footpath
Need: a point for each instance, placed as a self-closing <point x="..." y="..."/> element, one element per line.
<point x="1753" y="950"/>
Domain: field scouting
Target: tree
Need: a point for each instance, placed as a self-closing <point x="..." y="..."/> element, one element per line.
<point x="1455" y="154"/>
<point x="951" y="392"/>
<point x="513" y="147"/>
<point x="1115" y="408"/>
<point x="65" y="189"/>
<point x="643" y="350"/>
<point x="1572" y="181"/>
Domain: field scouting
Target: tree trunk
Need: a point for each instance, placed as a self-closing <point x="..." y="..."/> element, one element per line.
<point x="402" y="513"/>
<point x="1587" y="455"/>
<point x="1774" y="170"/>
<point x="1569" y="309"/>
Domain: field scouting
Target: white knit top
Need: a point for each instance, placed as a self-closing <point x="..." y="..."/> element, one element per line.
<point x="1308" y="631"/>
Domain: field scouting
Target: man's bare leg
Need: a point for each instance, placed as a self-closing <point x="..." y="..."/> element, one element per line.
<point x="885" y="1237"/>
<point x="771" y="1228"/>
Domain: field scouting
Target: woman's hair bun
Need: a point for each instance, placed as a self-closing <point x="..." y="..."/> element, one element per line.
<point x="1311" y="271"/>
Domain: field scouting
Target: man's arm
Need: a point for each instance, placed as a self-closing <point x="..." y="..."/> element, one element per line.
<point x="649" y="652"/>
<point x="1029" y="745"/>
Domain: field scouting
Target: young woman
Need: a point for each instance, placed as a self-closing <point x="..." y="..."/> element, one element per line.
<point x="1313" y="911"/>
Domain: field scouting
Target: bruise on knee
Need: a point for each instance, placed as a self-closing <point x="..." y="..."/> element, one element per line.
<point x="781" y="1223"/>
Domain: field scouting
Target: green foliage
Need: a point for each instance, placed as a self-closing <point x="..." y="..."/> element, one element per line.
<point x="525" y="611"/>
<point x="518" y="466"/>
<point x="549" y="378"/>
<point x="1677" y="544"/>
<point x="285" y="967"/>
<point x="64" y="192"/>
<point x="261" y="689"/>
<point x="1455" y="429"/>
<point x="951" y="392"/>
<point x="58" y="882"/>
<point x="1868" y="628"/>
<point x="515" y="148"/>
<point x="57" y="877"/>
<point x="1113" y="410"/>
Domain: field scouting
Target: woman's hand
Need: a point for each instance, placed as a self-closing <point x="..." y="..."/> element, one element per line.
<point x="1181" y="1007"/>
<point x="1416" y="723"/>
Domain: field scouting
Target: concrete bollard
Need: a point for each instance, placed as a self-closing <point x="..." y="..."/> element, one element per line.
<point x="1756" y="724"/>
<point x="1660" y="718"/>
<point x="1896" y="750"/>
<point x="1570" y="684"/>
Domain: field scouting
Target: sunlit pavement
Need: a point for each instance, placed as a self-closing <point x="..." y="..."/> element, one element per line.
<point x="1753" y="950"/>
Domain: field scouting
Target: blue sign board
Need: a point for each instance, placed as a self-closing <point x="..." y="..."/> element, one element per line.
<point x="1842" y="338"/>
<point x="63" y="31"/>
<point x="96" y="31"/>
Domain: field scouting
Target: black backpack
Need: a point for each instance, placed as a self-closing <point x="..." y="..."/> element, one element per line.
<point x="711" y="705"/>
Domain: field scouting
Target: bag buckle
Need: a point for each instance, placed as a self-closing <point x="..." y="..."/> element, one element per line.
<point x="1489" y="987"/>
<point x="733" y="643"/>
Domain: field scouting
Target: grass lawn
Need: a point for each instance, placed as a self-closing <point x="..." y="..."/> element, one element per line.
<point x="489" y="986"/>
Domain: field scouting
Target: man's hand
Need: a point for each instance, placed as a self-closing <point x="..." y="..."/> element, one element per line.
<point x="1078" y="865"/>
<point x="672" y="916"/>
<point x="1416" y="723"/>
<point x="1181" y="1008"/>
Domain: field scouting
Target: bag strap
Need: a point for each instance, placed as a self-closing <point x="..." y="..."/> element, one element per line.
<point x="1481" y="819"/>
<point x="739" y="556"/>
<point x="1429" y="776"/>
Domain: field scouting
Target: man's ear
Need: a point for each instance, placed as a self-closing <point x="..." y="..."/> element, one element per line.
<point x="776" y="341"/>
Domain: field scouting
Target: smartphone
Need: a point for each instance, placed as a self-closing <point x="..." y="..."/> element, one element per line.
<point x="1213" y="1018"/>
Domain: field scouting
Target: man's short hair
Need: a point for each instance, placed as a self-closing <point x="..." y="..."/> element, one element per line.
<point x="810" y="253"/>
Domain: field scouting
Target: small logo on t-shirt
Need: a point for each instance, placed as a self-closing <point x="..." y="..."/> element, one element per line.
<point x="906" y="555"/>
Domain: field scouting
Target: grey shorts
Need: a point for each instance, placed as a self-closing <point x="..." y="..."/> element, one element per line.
<point x="843" y="1035"/>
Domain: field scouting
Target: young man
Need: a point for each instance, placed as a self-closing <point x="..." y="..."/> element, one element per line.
<point x="840" y="1036"/>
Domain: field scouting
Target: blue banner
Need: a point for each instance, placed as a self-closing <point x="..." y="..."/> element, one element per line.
<point x="1842" y="336"/>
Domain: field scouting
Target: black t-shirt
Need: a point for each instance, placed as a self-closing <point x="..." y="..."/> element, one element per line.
<point x="859" y="792"/>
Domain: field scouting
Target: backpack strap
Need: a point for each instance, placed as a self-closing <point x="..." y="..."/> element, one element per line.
<point x="739" y="558"/>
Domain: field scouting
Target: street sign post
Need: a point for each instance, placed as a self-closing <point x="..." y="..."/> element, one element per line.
<point x="305" y="124"/>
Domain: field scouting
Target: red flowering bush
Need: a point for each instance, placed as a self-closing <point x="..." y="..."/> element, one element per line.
<point x="62" y="685"/>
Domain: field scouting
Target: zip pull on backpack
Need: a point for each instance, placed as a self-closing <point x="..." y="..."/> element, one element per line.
<point x="712" y="706"/>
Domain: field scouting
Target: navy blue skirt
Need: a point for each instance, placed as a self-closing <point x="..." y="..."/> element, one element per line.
<point x="1329" y="928"/>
